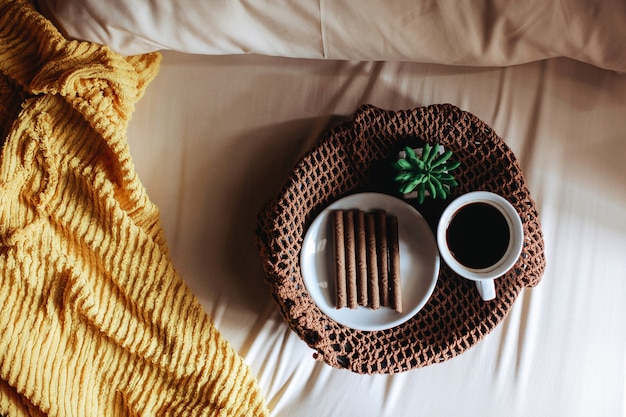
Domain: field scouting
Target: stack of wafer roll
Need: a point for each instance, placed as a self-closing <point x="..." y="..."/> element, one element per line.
<point x="367" y="259"/>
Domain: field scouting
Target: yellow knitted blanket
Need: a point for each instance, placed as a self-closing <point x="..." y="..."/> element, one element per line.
<point x="94" y="320"/>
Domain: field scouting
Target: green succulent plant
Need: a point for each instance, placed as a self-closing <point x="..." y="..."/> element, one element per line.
<point x="429" y="171"/>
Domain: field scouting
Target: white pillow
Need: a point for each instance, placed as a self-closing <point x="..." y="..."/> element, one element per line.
<point x="472" y="32"/>
<point x="212" y="27"/>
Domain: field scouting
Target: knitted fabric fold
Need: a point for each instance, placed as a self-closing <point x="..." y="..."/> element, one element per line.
<point x="94" y="319"/>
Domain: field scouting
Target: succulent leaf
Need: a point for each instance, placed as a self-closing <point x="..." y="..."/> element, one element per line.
<point x="433" y="153"/>
<point x="404" y="164"/>
<point x="439" y="187"/>
<point x="403" y="176"/>
<point x="438" y="169"/>
<point x="411" y="156"/>
<point x="431" y="189"/>
<point x="421" y="193"/>
<point x="449" y="182"/>
<point x="452" y="165"/>
<point x="441" y="159"/>
<point x="426" y="152"/>
<point x="409" y="186"/>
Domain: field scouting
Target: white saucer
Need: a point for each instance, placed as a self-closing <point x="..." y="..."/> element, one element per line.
<point x="419" y="263"/>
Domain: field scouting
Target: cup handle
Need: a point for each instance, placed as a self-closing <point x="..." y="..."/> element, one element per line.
<point x="486" y="289"/>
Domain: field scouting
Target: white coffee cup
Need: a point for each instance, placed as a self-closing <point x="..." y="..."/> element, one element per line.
<point x="480" y="237"/>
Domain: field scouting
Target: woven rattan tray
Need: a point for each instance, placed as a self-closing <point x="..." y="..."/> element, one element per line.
<point x="354" y="157"/>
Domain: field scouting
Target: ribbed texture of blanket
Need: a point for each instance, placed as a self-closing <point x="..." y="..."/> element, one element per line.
<point x="94" y="320"/>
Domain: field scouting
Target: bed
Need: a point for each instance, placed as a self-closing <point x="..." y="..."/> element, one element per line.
<point x="244" y="91"/>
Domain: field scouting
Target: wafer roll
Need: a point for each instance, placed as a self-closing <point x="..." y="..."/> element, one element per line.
<point x="394" y="264"/>
<point x="350" y="246"/>
<point x="372" y="261"/>
<point x="382" y="251"/>
<point x="361" y="257"/>
<point x="340" y="259"/>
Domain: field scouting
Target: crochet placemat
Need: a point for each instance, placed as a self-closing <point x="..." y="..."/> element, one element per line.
<point x="355" y="156"/>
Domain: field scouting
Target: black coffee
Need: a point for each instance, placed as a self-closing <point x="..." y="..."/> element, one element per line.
<point x="478" y="235"/>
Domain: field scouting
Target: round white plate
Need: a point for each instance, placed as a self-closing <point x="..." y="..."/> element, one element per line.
<point x="419" y="263"/>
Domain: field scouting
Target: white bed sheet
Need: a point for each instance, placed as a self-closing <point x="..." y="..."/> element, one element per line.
<point x="214" y="137"/>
